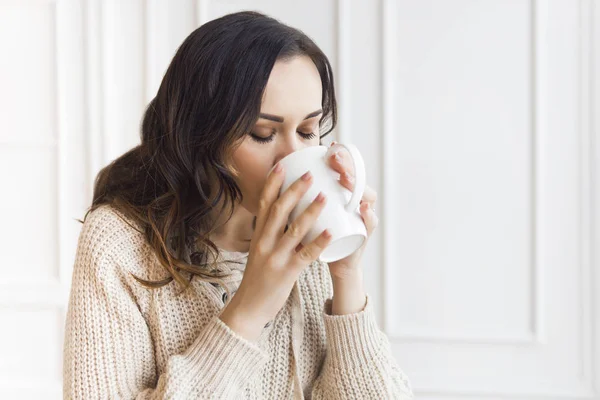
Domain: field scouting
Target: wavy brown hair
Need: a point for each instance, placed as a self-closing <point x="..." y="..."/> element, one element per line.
<point x="208" y="100"/>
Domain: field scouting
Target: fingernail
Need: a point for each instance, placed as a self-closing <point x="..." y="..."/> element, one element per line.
<point x="348" y="177"/>
<point x="337" y="157"/>
<point x="306" y="176"/>
<point x="278" y="167"/>
<point x="320" y="197"/>
<point x="326" y="234"/>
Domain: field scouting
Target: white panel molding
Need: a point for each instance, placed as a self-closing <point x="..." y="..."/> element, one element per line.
<point x="539" y="107"/>
<point x="28" y="141"/>
<point x="388" y="85"/>
<point x="590" y="306"/>
<point x="33" y="294"/>
<point x="587" y="269"/>
<point x="201" y="12"/>
<point x="50" y="294"/>
<point x="115" y="95"/>
<point x="388" y="66"/>
<point x="94" y="83"/>
<point x="108" y="30"/>
<point x="72" y="197"/>
<point x="156" y="45"/>
<point x="11" y="291"/>
<point x="123" y="85"/>
<point x="343" y="82"/>
<point x="594" y="130"/>
<point x="72" y="177"/>
<point x="29" y="2"/>
<point x="59" y="266"/>
<point x="436" y="395"/>
<point x="28" y="389"/>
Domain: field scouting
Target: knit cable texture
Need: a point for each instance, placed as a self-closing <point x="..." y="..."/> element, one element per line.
<point x="125" y="341"/>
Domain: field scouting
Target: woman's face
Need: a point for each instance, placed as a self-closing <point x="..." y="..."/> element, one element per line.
<point x="289" y="121"/>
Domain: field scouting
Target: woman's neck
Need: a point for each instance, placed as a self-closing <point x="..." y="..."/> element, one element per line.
<point x="234" y="234"/>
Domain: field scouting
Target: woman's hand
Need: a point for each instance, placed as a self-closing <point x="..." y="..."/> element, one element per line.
<point x="349" y="266"/>
<point x="276" y="257"/>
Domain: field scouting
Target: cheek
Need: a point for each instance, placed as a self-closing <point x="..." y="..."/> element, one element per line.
<point x="253" y="171"/>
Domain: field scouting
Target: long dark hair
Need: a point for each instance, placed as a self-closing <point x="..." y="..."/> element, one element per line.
<point x="208" y="100"/>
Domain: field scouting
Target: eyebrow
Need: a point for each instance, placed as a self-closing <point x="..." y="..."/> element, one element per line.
<point x="277" y="118"/>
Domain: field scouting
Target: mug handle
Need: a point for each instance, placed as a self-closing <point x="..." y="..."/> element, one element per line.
<point x="359" y="171"/>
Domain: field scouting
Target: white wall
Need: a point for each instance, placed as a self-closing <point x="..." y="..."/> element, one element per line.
<point x="477" y="121"/>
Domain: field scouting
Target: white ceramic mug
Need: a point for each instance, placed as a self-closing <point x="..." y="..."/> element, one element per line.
<point x="341" y="213"/>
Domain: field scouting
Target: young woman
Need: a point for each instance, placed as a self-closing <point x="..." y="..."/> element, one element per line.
<point x="191" y="216"/>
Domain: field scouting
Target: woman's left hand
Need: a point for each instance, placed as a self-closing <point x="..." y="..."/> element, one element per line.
<point x="349" y="265"/>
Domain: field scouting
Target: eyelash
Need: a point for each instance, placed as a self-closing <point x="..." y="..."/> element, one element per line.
<point x="259" y="139"/>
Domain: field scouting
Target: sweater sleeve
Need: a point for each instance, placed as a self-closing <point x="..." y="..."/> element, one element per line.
<point x="108" y="349"/>
<point x="359" y="363"/>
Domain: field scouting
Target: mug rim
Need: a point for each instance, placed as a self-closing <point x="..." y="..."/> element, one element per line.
<point x="291" y="155"/>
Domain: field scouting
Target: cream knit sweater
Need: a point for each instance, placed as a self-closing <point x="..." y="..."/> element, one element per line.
<point x="124" y="341"/>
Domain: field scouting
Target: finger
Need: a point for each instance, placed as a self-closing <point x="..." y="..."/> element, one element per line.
<point x="369" y="195"/>
<point x="301" y="225"/>
<point x="340" y="161"/>
<point x="281" y="208"/>
<point x="336" y="162"/>
<point x="268" y="196"/>
<point x="369" y="217"/>
<point x="312" y="251"/>
<point x="347" y="181"/>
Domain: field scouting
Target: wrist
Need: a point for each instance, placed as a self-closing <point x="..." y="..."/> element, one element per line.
<point x="348" y="296"/>
<point x="348" y="279"/>
<point x="241" y="322"/>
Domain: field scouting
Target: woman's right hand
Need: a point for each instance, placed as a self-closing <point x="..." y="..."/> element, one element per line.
<point x="273" y="263"/>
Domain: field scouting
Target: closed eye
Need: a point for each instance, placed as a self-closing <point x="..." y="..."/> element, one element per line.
<point x="259" y="139"/>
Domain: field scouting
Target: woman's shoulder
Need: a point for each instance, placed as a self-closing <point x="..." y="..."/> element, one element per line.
<point x="109" y="236"/>
<point x="108" y="213"/>
<point x="111" y="252"/>
<point x="108" y="228"/>
<point x="116" y="240"/>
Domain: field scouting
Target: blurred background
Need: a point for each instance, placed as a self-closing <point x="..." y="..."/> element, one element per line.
<point x="478" y="121"/>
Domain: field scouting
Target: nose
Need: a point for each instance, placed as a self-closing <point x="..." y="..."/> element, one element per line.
<point x="288" y="146"/>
